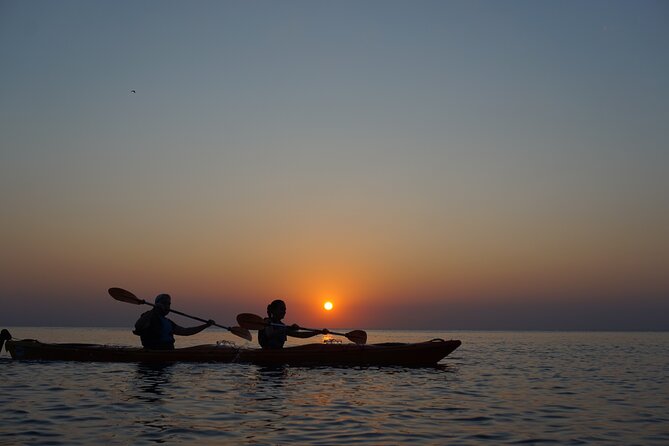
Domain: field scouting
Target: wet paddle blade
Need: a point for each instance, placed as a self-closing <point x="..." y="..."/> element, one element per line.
<point x="4" y="336"/>
<point x="241" y="332"/>
<point x="251" y="321"/>
<point x="357" y="336"/>
<point x="125" y="296"/>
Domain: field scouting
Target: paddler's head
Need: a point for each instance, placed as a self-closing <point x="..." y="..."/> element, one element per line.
<point x="276" y="310"/>
<point x="163" y="302"/>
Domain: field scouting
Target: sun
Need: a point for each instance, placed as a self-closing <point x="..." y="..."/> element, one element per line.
<point x="328" y="305"/>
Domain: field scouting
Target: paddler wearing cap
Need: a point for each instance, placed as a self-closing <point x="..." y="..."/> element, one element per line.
<point x="157" y="332"/>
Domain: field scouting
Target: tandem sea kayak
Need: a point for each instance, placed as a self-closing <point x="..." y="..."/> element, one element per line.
<point x="427" y="353"/>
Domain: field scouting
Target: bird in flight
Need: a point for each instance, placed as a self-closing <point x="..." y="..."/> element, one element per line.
<point x="133" y="91"/>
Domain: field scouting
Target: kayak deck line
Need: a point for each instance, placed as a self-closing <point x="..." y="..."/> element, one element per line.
<point x="427" y="353"/>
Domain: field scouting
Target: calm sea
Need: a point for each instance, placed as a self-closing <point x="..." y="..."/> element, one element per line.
<point x="498" y="387"/>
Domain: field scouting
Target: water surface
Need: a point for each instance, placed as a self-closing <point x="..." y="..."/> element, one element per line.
<point x="498" y="387"/>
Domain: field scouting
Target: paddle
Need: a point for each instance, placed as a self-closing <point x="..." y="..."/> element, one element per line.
<point x="126" y="296"/>
<point x="255" y="322"/>
<point x="4" y="336"/>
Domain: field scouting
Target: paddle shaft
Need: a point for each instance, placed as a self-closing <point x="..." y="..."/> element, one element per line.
<point x="188" y="315"/>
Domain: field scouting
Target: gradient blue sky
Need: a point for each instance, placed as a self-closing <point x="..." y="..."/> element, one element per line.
<point x="448" y="164"/>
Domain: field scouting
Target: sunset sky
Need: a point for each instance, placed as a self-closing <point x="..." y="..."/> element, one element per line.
<point x="446" y="164"/>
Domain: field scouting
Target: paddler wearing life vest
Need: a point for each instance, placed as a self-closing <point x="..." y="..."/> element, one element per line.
<point x="157" y="332"/>
<point x="274" y="335"/>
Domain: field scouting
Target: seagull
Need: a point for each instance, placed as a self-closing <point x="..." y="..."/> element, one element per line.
<point x="133" y="91"/>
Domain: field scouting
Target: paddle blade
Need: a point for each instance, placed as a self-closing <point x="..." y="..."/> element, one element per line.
<point x="4" y="336"/>
<point x="125" y="296"/>
<point x="357" y="336"/>
<point x="251" y="321"/>
<point x="241" y="332"/>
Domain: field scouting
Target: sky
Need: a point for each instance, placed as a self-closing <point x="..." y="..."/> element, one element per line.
<point x="422" y="164"/>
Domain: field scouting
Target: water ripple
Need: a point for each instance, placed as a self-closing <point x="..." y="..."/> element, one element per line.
<point x="508" y="388"/>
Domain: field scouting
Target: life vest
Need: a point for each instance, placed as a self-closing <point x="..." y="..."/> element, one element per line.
<point x="273" y="336"/>
<point x="159" y="334"/>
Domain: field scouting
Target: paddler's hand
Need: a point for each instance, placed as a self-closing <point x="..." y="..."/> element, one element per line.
<point x="295" y="327"/>
<point x="325" y="331"/>
<point x="210" y="323"/>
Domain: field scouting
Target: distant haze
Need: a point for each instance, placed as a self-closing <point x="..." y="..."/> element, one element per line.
<point x="423" y="164"/>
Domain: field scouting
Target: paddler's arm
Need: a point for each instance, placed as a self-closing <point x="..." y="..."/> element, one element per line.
<point x="293" y="331"/>
<point x="181" y="331"/>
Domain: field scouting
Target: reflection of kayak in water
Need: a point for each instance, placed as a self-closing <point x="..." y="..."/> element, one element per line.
<point x="417" y="354"/>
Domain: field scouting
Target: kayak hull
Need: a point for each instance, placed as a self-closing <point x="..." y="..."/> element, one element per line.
<point x="416" y="354"/>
